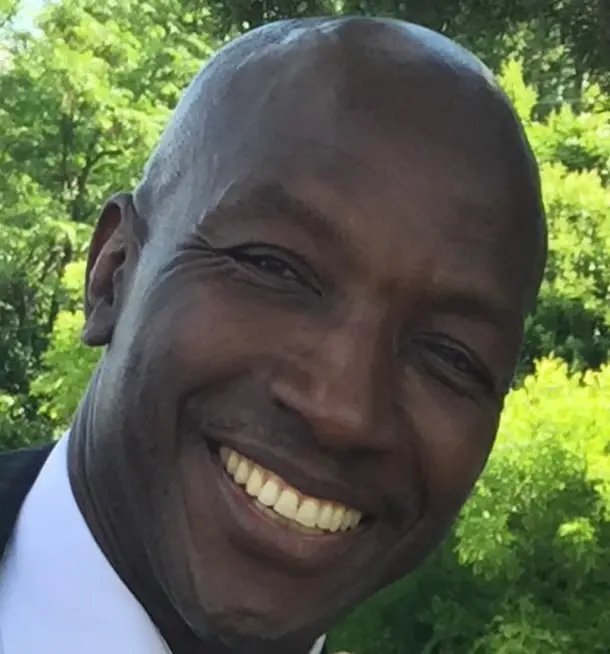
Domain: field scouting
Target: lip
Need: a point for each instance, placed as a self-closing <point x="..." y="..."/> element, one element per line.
<point x="315" y="484"/>
<point x="267" y="537"/>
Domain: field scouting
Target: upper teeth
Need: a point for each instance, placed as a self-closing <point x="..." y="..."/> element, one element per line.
<point x="283" y="499"/>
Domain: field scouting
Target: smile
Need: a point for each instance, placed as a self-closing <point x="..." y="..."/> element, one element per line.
<point x="284" y="503"/>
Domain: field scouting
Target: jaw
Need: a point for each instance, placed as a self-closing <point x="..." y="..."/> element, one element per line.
<point x="298" y="533"/>
<point x="259" y="575"/>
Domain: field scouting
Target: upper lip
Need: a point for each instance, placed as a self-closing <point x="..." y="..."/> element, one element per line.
<point x="317" y="484"/>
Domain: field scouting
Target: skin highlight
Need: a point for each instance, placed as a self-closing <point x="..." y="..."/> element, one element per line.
<point x="326" y="267"/>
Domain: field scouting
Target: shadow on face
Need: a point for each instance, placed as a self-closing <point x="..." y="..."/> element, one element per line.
<point x="310" y="346"/>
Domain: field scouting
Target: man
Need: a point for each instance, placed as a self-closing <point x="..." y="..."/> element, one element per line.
<point x="312" y="303"/>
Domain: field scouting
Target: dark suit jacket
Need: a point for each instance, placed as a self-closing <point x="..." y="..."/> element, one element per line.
<point x="18" y="471"/>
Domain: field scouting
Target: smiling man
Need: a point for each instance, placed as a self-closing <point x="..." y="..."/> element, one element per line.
<point x="313" y="304"/>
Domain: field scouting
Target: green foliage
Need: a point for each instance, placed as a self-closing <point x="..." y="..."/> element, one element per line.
<point x="32" y="263"/>
<point x="33" y="295"/>
<point x="239" y="15"/>
<point x="573" y="315"/>
<point x="60" y="385"/>
<point x="579" y="141"/>
<point x="82" y="102"/>
<point x="8" y="11"/>
<point x="563" y="42"/>
<point x="82" y="105"/>
<point x="526" y="568"/>
<point x="17" y="429"/>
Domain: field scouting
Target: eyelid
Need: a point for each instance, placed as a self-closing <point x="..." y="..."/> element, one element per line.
<point x="302" y="267"/>
<point x="270" y="247"/>
<point x="481" y="369"/>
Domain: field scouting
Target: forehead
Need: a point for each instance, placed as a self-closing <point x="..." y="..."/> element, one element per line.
<point x="413" y="190"/>
<point x="428" y="228"/>
<point x="406" y="183"/>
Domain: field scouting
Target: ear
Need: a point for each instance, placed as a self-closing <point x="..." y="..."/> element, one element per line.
<point x="113" y="254"/>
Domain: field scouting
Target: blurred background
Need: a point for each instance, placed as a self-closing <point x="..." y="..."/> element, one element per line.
<point x="85" y="88"/>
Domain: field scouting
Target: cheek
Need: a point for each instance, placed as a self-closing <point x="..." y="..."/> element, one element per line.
<point x="452" y="441"/>
<point x="454" y="448"/>
<point x="213" y="332"/>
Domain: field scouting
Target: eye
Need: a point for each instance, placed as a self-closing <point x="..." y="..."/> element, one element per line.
<point x="455" y="364"/>
<point x="454" y="357"/>
<point x="275" y="266"/>
<point x="270" y="265"/>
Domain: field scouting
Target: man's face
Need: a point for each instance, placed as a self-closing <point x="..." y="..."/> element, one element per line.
<point x="308" y="370"/>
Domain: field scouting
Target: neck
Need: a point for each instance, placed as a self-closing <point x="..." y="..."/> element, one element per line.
<point x="104" y="511"/>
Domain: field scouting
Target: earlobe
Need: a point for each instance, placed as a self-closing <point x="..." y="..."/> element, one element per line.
<point x="112" y="246"/>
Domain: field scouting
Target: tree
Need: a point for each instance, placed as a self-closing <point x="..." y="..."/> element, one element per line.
<point x="565" y="43"/>
<point x="82" y="102"/>
<point x="229" y="18"/>
<point x="8" y="11"/>
<point x="573" y="317"/>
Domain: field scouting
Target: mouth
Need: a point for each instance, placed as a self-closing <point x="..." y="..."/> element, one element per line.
<point x="271" y="518"/>
<point x="280" y="501"/>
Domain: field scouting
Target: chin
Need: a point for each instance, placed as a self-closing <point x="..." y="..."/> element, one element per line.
<point x="239" y="629"/>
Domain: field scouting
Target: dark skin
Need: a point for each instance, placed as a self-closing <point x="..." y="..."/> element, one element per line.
<point x="326" y="268"/>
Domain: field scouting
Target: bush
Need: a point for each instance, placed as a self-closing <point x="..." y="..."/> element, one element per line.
<point x="572" y="319"/>
<point x="526" y="567"/>
<point x="17" y="429"/>
<point x="35" y="299"/>
<point x="573" y="316"/>
<point x="67" y="364"/>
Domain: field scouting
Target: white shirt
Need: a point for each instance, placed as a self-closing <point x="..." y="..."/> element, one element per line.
<point x="52" y="602"/>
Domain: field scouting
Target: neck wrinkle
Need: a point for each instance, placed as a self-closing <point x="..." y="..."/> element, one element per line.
<point x="103" y="514"/>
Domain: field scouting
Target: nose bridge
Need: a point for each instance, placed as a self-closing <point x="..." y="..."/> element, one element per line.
<point x="337" y="386"/>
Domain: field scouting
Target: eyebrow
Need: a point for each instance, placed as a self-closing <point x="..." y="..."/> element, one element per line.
<point x="472" y="305"/>
<point x="273" y="202"/>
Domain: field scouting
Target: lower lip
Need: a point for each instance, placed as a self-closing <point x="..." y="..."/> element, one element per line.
<point x="270" y="537"/>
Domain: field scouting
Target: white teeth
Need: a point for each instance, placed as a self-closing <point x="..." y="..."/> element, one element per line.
<point x="325" y="517"/>
<point x="286" y="501"/>
<point x="269" y="493"/>
<point x="232" y="463"/>
<point x="338" y="514"/>
<point x="287" y="504"/>
<point x="255" y="483"/>
<point x="242" y="474"/>
<point x="307" y="514"/>
<point x="347" y="521"/>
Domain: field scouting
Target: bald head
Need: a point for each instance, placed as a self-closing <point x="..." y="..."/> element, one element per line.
<point x="332" y="80"/>
<point x="345" y="235"/>
<point x="317" y="73"/>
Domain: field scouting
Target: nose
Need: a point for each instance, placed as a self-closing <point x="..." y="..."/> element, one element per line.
<point x="337" y="385"/>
